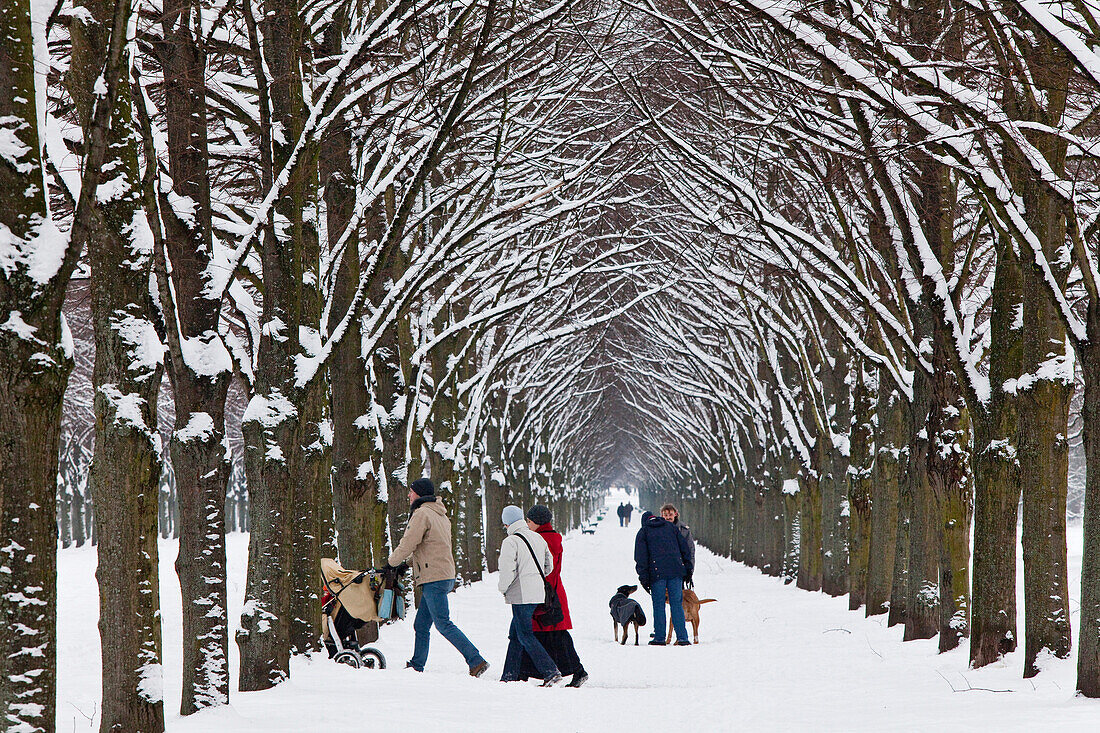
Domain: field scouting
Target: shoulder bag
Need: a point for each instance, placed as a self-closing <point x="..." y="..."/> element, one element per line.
<point x="548" y="612"/>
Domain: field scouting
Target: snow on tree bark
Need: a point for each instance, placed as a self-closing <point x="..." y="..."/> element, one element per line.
<point x="274" y="426"/>
<point x="36" y="262"/>
<point x="199" y="364"/>
<point x="126" y="466"/>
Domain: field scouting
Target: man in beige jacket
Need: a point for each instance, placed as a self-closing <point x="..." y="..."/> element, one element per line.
<point x="427" y="541"/>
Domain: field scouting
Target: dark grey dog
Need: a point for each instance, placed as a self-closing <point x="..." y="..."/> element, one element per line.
<point x="626" y="611"/>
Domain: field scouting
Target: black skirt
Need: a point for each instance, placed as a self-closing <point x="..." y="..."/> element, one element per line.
<point x="559" y="645"/>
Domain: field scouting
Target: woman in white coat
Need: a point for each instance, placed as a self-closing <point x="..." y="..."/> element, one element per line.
<point x="524" y="589"/>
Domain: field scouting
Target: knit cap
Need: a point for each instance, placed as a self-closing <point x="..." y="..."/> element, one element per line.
<point x="511" y="514"/>
<point x="540" y="515"/>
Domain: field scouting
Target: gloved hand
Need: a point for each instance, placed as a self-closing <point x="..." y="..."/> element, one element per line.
<point x="402" y="568"/>
<point x="688" y="583"/>
<point x="645" y="586"/>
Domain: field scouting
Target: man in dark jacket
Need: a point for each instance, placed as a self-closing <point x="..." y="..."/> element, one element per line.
<point x="627" y="511"/>
<point x="663" y="561"/>
<point x="621" y="513"/>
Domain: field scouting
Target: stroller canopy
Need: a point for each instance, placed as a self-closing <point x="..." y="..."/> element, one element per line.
<point x="357" y="598"/>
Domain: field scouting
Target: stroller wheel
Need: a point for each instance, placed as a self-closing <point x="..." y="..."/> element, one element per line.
<point x="350" y="658"/>
<point x="372" y="658"/>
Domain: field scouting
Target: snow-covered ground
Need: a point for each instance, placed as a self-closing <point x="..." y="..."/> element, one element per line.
<point x="772" y="658"/>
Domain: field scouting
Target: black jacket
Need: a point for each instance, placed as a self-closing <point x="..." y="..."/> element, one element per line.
<point x="625" y="609"/>
<point x="660" y="551"/>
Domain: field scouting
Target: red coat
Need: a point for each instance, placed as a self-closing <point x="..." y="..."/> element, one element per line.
<point x="553" y="541"/>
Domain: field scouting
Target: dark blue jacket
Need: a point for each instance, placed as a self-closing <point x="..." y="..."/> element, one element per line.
<point x="660" y="551"/>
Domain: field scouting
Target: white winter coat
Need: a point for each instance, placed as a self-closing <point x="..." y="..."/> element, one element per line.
<point x="520" y="581"/>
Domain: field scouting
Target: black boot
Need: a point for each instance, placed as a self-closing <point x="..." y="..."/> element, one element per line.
<point x="579" y="678"/>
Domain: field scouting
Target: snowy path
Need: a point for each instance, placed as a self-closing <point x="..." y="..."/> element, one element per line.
<point x="771" y="658"/>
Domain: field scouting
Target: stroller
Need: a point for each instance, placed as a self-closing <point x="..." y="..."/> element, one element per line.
<point x="350" y="614"/>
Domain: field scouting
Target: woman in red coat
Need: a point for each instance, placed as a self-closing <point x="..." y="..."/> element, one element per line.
<point x="556" y="639"/>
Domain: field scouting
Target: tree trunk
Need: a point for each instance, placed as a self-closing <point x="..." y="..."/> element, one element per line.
<point x="34" y="369"/>
<point x="312" y="529"/>
<point x="202" y="471"/>
<point x="1044" y="470"/>
<point x="77" y="508"/>
<point x="199" y="367"/>
<point x="889" y="436"/>
<point x="810" y="558"/>
<point x="390" y="394"/>
<point x="64" y="515"/>
<point x="835" y="510"/>
<point x="997" y="478"/>
<point x="899" y="584"/>
<point x="473" y="532"/>
<point x="859" y="487"/>
<point x="1088" y="644"/>
<point x="35" y="362"/>
<point x="774" y="516"/>
<point x="1046" y="386"/>
<point x="126" y="466"/>
<point x="263" y="636"/>
<point x="354" y="477"/>
<point x="274" y="426"/>
<point x="495" y="490"/>
<point x="357" y="508"/>
<point x="30" y="410"/>
<point x="922" y="577"/>
<point x="834" y="526"/>
<point x="949" y="479"/>
<point x="124" y="478"/>
<point x="791" y="541"/>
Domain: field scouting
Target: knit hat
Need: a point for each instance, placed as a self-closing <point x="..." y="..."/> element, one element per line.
<point x="540" y="515"/>
<point x="423" y="487"/>
<point x="511" y="514"/>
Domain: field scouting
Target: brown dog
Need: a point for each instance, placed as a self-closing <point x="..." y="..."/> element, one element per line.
<point x="691" y="612"/>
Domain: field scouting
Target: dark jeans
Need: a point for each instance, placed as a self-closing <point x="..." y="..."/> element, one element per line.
<point x="675" y="588"/>
<point x="521" y="638"/>
<point x="434" y="610"/>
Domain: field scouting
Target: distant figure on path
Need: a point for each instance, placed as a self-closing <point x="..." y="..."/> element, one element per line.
<point x="428" y="541"/>
<point x="555" y="638"/>
<point x="627" y="511"/>
<point x="663" y="560"/>
<point x="621" y="511"/>
<point x="523" y="588"/>
<point x="669" y="512"/>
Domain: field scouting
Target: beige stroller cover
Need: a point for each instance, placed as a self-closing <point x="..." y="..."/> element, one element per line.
<point x="357" y="598"/>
